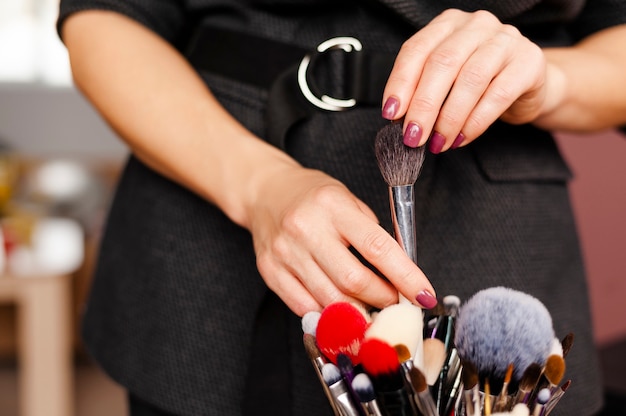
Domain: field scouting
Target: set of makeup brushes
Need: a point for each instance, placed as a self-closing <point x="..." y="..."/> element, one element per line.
<point x="494" y="355"/>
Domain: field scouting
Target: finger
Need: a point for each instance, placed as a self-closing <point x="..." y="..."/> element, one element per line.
<point x="353" y="278"/>
<point x="473" y="79"/>
<point x="289" y="289"/>
<point x="438" y="76"/>
<point x="408" y="66"/>
<point x="386" y="255"/>
<point x="516" y="80"/>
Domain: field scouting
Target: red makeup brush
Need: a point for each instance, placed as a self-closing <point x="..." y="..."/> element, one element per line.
<point x="340" y="330"/>
<point x="380" y="361"/>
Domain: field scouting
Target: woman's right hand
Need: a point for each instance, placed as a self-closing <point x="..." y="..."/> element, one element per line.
<point x="304" y="222"/>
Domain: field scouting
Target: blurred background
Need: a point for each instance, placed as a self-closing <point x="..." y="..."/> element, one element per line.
<point x="58" y="166"/>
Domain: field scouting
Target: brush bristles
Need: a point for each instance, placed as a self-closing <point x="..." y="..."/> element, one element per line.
<point x="469" y="375"/>
<point x="499" y="326"/>
<point x="567" y="343"/>
<point x="418" y="380"/>
<point x="331" y="374"/>
<point x="309" y="322"/>
<point x="399" y="164"/>
<point x="362" y="386"/>
<point x="555" y="369"/>
<point x="403" y="352"/>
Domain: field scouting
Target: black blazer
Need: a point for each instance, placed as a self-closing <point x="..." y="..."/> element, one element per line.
<point x="177" y="305"/>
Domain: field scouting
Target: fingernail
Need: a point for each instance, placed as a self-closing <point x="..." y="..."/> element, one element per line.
<point x="457" y="142"/>
<point x="412" y="135"/>
<point x="436" y="143"/>
<point x="426" y="299"/>
<point x="390" y="108"/>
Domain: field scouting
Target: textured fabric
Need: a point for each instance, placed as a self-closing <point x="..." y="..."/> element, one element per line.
<point x="172" y="310"/>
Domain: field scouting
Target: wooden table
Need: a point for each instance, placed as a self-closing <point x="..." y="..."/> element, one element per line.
<point x="45" y="362"/>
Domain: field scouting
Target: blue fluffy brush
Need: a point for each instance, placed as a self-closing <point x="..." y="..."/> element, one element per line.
<point x="501" y="326"/>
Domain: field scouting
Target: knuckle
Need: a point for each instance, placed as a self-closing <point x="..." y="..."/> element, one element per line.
<point x="445" y="59"/>
<point x="501" y="96"/>
<point x="474" y="125"/>
<point x="354" y="282"/>
<point x="421" y="105"/>
<point x="483" y="17"/>
<point x="265" y="266"/>
<point x="377" y="245"/>
<point x="413" y="46"/>
<point x="474" y="76"/>
<point x="510" y="30"/>
<point x="280" y="248"/>
<point x="452" y="13"/>
<point x="449" y="119"/>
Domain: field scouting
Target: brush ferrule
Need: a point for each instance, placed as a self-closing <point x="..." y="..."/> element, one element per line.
<point x="341" y="397"/>
<point x="402" y="201"/>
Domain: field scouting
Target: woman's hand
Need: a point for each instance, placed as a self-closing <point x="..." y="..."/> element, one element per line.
<point x="303" y="223"/>
<point x="459" y="74"/>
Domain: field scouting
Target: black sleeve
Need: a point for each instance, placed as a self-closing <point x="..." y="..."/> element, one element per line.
<point x="598" y="15"/>
<point x="165" y="17"/>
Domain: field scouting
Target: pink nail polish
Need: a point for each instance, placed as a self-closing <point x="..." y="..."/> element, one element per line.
<point x="457" y="142"/>
<point x="390" y="108"/>
<point x="412" y="135"/>
<point x="437" y="141"/>
<point x="426" y="299"/>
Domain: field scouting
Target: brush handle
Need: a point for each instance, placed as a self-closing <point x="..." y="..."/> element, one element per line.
<point x="395" y="403"/>
<point x="402" y="203"/>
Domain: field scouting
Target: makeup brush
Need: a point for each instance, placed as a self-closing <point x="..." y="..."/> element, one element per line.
<point x="380" y="361"/>
<point x="402" y="323"/>
<point x="558" y="394"/>
<point x="553" y="372"/>
<point x="528" y="382"/>
<point x="487" y="402"/>
<point x="363" y="388"/>
<point x="423" y="398"/>
<point x="309" y="322"/>
<point x="400" y="166"/>
<point x="471" y="395"/>
<point x="502" y="401"/>
<point x="340" y="329"/>
<point x="542" y="398"/>
<point x="557" y="348"/>
<point x="338" y="390"/>
<point x="450" y="370"/>
<point x="567" y="343"/>
<point x="344" y="363"/>
<point x="434" y="359"/>
<point x="404" y="356"/>
<point x="318" y="361"/>
<point x="499" y="326"/>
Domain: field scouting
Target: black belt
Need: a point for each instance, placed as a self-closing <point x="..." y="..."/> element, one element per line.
<point x="285" y="70"/>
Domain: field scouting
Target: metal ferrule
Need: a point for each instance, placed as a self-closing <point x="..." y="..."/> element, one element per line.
<point x="402" y="200"/>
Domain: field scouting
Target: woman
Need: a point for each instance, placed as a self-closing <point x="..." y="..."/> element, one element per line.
<point x="237" y="183"/>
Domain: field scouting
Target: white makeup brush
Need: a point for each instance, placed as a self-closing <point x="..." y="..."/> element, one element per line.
<point x="401" y="323"/>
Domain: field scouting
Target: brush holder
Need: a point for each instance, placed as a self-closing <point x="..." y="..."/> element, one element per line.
<point x="459" y="389"/>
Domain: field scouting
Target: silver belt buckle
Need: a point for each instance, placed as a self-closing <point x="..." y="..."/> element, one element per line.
<point x="347" y="44"/>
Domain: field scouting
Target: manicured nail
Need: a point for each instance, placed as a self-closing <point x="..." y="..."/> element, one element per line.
<point x="426" y="299"/>
<point x="390" y="108"/>
<point x="436" y="143"/>
<point x="412" y="135"/>
<point x="457" y="142"/>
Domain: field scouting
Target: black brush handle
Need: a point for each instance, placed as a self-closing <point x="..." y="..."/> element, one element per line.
<point x="396" y="403"/>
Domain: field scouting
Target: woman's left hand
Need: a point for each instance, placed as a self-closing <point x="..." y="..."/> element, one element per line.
<point x="459" y="74"/>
